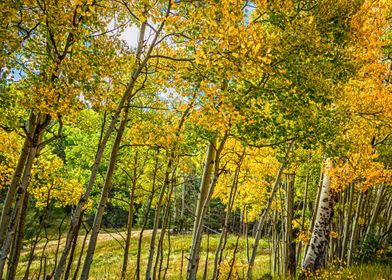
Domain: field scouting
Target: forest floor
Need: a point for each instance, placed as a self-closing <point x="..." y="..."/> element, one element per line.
<point x="109" y="256"/>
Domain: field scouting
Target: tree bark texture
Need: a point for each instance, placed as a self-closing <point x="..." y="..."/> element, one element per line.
<point x="318" y="245"/>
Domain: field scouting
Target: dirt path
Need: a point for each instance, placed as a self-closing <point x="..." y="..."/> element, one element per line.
<point x="103" y="236"/>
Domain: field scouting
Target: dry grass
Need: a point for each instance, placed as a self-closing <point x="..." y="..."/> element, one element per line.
<point x="109" y="254"/>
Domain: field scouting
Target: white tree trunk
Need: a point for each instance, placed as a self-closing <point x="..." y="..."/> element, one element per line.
<point x="320" y="237"/>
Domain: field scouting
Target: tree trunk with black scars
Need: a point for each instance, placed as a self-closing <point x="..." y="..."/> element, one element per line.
<point x="318" y="245"/>
<point x="314" y="210"/>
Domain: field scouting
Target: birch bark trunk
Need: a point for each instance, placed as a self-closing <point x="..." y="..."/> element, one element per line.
<point x="314" y="210"/>
<point x="318" y="245"/>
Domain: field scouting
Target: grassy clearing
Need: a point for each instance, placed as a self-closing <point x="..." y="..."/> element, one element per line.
<point x="109" y="253"/>
<point x="370" y="271"/>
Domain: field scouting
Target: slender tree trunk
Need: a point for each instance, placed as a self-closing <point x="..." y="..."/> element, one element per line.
<point x="202" y="198"/>
<point x="166" y="184"/>
<point x="78" y="264"/>
<point x="168" y="253"/>
<point x="275" y="241"/>
<point x="354" y="232"/>
<point x="175" y="208"/>
<point x="233" y="259"/>
<point x="264" y="215"/>
<point x="207" y="186"/>
<point x="42" y="261"/>
<point x="21" y="193"/>
<point x="340" y="227"/>
<point x="388" y="223"/>
<point x="183" y="199"/>
<point x="165" y="227"/>
<point x="246" y="235"/>
<point x="7" y="206"/>
<point x="386" y="227"/>
<point x="182" y="263"/>
<point x="130" y="218"/>
<point x="128" y="93"/>
<point x="139" y="251"/>
<point x="348" y="221"/>
<point x="305" y="203"/>
<point x="31" y="257"/>
<point x="290" y="245"/>
<point x="57" y="247"/>
<point x="77" y="215"/>
<point x="104" y="196"/>
<point x="282" y="236"/>
<point x="261" y="222"/>
<point x="315" y="210"/>
<point x="17" y="246"/>
<point x="207" y="257"/>
<point x="365" y="212"/>
<point x="376" y="210"/>
<point x="156" y="217"/>
<point x="72" y="253"/>
<point x="315" y="255"/>
<point x="35" y="130"/>
<point x="223" y="237"/>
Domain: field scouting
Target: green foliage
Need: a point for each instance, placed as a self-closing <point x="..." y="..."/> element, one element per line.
<point x="372" y="250"/>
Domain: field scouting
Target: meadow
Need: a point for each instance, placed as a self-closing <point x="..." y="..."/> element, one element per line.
<point x="109" y="255"/>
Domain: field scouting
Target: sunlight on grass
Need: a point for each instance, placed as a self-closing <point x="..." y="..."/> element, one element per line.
<point x="109" y="256"/>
